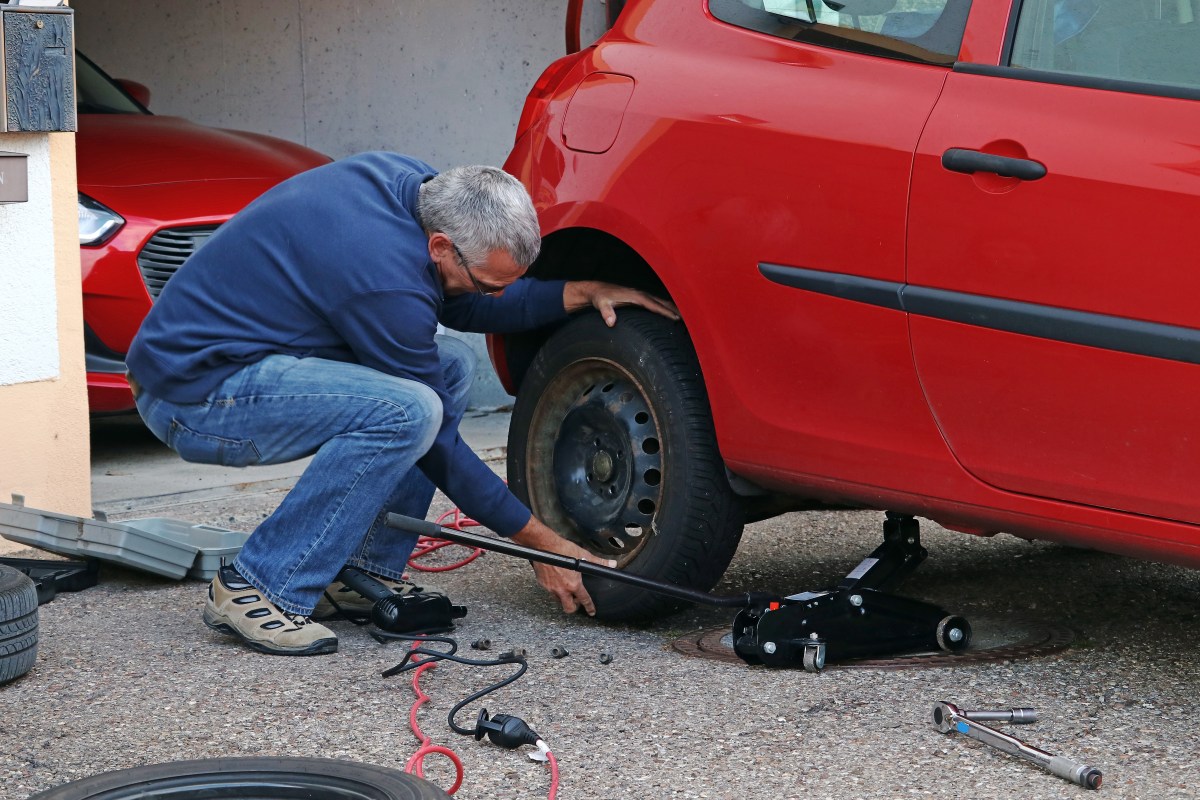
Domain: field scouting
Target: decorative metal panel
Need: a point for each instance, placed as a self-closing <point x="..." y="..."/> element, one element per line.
<point x="39" y="69"/>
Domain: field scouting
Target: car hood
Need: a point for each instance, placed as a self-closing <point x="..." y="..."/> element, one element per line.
<point x="145" y="149"/>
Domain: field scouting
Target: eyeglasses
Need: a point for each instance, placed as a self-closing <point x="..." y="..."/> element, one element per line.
<point x="486" y="291"/>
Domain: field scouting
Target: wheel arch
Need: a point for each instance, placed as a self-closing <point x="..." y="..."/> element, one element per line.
<point x="639" y="260"/>
<point x="579" y="252"/>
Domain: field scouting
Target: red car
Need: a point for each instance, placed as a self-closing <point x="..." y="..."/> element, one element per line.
<point x="932" y="256"/>
<point x="151" y="190"/>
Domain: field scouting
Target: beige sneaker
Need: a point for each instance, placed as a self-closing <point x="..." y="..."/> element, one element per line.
<point x="352" y="604"/>
<point x="236" y="608"/>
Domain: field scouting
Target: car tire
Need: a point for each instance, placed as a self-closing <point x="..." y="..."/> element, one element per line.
<point x="18" y="624"/>
<point x="279" y="778"/>
<point x="612" y="444"/>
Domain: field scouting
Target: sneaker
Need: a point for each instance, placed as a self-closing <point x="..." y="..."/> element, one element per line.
<point x="236" y="608"/>
<point x="351" y="604"/>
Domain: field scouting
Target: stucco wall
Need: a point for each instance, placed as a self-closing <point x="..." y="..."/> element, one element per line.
<point x="44" y="447"/>
<point x="443" y="80"/>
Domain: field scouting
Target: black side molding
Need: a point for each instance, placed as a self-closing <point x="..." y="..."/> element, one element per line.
<point x="1104" y="331"/>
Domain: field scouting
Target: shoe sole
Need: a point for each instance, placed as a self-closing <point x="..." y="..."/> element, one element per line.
<point x="220" y="624"/>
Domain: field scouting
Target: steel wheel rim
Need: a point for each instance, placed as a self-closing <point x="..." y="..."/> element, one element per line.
<point x="595" y="458"/>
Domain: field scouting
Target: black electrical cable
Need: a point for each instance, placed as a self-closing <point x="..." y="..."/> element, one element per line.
<point x="408" y="663"/>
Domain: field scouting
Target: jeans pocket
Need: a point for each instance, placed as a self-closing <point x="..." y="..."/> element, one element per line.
<point x="203" y="448"/>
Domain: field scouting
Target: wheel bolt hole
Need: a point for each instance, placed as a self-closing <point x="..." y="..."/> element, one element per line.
<point x="650" y="446"/>
<point x="590" y="477"/>
<point x="652" y="477"/>
<point x="596" y="441"/>
<point x="612" y="490"/>
<point x="646" y="506"/>
<point x="641" y="418"/>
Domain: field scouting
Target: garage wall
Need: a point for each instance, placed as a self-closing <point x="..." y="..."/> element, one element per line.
<point x="44" y="445"/>
<point x="443" y="80"/>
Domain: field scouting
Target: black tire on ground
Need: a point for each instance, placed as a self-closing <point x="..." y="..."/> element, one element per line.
<point x="277" y="778"/>
<point x="612" y="444"/>
<point x="18" y="624"/>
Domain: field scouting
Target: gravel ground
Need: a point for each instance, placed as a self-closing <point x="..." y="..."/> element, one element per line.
<point x="128" y="675"/>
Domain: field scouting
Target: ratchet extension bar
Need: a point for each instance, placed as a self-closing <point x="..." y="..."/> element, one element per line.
<point x="506" y="547"/>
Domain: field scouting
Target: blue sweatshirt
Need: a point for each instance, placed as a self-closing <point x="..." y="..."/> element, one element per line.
<point x="333" y="263"/>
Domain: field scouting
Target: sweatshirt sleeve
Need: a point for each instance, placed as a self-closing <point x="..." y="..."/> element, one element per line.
<point x="393" y="331"/>
<point x="525" y="305"/>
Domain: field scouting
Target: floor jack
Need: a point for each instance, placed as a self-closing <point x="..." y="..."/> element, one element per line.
<point x="856" y="619"/>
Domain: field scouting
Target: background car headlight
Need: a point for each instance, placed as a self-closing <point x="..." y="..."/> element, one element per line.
<point x="97" y="223"/>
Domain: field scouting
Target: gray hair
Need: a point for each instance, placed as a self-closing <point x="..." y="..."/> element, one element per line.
<point x="481" y="209"/>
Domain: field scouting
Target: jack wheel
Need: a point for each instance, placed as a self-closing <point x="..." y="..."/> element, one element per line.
<point x="953" y="634"/>
<point x="813" y="659"/>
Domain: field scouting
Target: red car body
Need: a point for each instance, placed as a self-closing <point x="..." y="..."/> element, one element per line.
<point x="172" y="182"/>
<point x="877" y="327"/>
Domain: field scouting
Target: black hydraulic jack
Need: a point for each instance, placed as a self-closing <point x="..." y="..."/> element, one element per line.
<point x="858" y="618"/>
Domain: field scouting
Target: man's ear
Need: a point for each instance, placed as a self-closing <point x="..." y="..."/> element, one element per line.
<point x="439" y="245"/>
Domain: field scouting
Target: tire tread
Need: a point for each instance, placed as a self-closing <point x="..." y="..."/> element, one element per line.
<point x="18" y="624"/>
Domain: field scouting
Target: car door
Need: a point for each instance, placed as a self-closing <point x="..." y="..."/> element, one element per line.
<point x="1052" y="260"/>
<point x="800" y="171"/>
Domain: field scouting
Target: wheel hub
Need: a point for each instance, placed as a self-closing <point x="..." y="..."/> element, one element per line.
<point x="607" y="465"/>
<point x="602" y="466"/>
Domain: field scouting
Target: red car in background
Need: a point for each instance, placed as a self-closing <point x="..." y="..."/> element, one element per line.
<point x="152" y="189"/>
<point x="932" y="256"/>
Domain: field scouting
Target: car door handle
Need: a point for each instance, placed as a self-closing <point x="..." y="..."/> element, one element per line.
<point x="957" y="159"/>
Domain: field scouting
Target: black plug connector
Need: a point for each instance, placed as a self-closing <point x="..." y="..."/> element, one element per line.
<point x="505" y="730"/>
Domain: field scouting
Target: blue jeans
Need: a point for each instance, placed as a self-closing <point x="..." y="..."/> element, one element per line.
<point x="367" y="431"/>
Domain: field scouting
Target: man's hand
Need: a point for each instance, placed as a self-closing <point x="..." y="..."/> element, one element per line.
<point x="605" y="297"/>
<point x="564" y="584"/>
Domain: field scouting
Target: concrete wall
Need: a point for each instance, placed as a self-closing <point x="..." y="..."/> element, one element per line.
<point x="44" y="446"/>
<point x="443" y="80"/>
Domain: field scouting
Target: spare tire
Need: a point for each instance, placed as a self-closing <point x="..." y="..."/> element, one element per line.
<point x="276" y="778"/>
<point x="18" y="624"/>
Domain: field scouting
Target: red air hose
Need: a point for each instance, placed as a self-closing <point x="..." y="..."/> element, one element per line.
<point x="415" y="763"/>
<point x="553" y="774"/>
<point x="427" y="545"/>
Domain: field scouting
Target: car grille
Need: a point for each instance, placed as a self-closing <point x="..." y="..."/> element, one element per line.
<point x="166" y="251"/>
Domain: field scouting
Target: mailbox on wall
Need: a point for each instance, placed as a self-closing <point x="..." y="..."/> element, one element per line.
<point x="37" y="82"/>
<point x="14" y="178"/>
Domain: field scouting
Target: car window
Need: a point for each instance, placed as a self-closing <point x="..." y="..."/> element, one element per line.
<point x="1143" y="41"/>
<point x="915" y="30"/>
<point x="96" y="93"/>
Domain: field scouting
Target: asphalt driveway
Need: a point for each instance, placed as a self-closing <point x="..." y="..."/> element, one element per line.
<point x="128" y="675"/>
